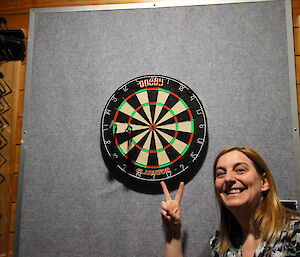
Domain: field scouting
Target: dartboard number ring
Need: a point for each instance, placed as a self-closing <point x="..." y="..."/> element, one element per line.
<point x="153" y="128"/>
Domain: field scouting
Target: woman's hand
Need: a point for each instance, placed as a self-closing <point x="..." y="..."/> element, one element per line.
<point x="171" y="207"/>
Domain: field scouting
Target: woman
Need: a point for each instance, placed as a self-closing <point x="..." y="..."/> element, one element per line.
<point x="253" y="221"/>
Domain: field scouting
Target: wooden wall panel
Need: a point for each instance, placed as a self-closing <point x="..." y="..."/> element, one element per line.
<point x="20" y="21"/>
<point x="296" y="12"/>
<point x="9" y="109"/>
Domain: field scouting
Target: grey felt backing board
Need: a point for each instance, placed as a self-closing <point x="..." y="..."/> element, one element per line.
<point x="233" y="56"/>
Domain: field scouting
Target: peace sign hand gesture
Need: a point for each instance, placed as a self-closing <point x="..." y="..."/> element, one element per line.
<point x="171" y="207"/>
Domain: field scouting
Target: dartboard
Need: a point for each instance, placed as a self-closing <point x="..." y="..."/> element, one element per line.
<point x="153" y="128"/>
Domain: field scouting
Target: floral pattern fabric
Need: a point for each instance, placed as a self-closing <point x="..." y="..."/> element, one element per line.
<point x="287" y="245"/>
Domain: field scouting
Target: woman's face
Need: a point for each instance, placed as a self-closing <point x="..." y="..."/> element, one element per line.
<point x="237" y="182"/>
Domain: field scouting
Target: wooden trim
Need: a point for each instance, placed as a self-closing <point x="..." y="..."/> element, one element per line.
<point x="297" y="40"/>
<point x="298" y="96"/>
<point x="13" y="216"/>
<point x="23" y="7"/>
<point x="14" y="185"/>
<point x="16" y="165"/>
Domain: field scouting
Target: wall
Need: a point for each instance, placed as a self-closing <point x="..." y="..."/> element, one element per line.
<point x="17" y="14"/>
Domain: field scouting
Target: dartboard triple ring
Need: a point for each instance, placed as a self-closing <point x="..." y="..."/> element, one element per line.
<point x="153" y="127"/>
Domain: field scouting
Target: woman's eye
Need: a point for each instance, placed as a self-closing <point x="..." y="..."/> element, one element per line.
<point x="220" y="174"/>
<point x="240" y="170"/>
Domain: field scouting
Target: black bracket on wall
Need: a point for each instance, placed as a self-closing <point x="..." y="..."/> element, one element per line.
<point x="12" y="47"/>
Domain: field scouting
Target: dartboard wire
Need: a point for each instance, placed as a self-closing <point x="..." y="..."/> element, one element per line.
<point x="178" y="145"/>
<point x="176" y="137"/>
<point x="178" y="108"/>
<point x="162" y="97"/>
<point x="176" y="124"/>
<point x="126" y="146"/>
<point x="121" y="127"/>
<point x="143" y="98"/>
<point x="144" y="156"/>
<point x="162" y="156"/>
<point x="170" y="162"/>
<point x="144" y="152"/>
<point x="182" y="126"/>
<point x="127" y="109"/>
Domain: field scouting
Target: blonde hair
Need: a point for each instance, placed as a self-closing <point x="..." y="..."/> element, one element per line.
<point x="270" y="217"/>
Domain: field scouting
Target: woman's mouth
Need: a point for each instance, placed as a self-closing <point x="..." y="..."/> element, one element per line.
<point x="234" y="191"/>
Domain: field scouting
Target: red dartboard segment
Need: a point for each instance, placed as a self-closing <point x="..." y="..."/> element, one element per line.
<point x="140" y="107"/>
<point x="128" y="97"/>
<point x="167" y="146"/>
<point x="116" y="115"/>
<point x="178" y="97"/>
<point x="175" y="160"/>
<point x="191" y="138"/>
<point x="130" y="119"/>
<point x="190" y="114"/>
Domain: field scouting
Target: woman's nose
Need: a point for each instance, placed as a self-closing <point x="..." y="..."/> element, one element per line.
<point x="230" y="176"/>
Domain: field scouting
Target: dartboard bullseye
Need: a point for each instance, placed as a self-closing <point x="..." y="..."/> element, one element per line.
<point x="153" y="128"/>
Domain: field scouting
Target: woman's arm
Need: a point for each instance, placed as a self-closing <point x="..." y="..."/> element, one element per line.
<point x="171" y="216"/>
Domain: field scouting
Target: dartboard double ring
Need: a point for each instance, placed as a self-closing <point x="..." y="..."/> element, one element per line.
<point x="153" y="128"/>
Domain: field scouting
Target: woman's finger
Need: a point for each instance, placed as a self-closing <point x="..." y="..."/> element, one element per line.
<point x="179" y="195"/>
<point x="163" y="212"/>
<point x="163" y="205"/>
<point x="166" y="191"/>
<point x="166" y="215"/>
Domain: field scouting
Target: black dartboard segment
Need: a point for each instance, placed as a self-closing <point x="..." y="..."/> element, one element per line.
<point x="153" y="127"/>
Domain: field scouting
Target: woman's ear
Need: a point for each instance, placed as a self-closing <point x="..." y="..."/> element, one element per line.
<point x="265" y="185"/>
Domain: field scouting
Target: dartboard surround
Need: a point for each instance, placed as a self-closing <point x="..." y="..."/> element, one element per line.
<point x="153" y="128"/>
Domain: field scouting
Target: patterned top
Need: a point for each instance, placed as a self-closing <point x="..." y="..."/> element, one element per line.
<point x="287" y="245"/>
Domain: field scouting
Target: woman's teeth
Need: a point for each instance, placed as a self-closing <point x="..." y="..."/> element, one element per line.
<point x="234" y="191"/>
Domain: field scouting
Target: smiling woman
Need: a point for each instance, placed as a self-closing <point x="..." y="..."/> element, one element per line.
<point x="238" y="184"/>
<point x="255" y="214"/>
<point x="253" y="221"/>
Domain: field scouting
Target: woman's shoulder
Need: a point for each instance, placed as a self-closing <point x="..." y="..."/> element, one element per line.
<point x="292" y="232"/>
<point x="214" y="239"/>
<point x="288" y="244"/>
<point x="295" y="224"/>
<point x="213" y="244"/>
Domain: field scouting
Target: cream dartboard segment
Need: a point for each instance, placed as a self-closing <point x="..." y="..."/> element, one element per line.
<point x="153" y="128"/>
